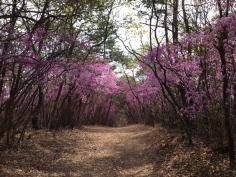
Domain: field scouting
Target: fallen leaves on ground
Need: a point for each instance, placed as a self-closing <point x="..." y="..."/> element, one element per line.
<point x="132" y="151"/>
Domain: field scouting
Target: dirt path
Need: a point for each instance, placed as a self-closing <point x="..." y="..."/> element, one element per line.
<point x="115" y="152"/>
<point x="90" y="152"/>
<point x="133" y="151"/>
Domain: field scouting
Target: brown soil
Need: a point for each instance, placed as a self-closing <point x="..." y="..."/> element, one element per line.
<point x="133" y="151"/>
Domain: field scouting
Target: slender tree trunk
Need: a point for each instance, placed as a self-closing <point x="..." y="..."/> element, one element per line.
<point x="226" y="100"/>
<point x="175" y="21"/>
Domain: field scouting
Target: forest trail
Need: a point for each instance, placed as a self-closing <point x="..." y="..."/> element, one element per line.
<point x="91" y="152"/>
<point x="94" y="151"/>
<point x="115" y="152"/>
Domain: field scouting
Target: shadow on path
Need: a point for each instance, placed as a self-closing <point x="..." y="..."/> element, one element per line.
<point x="93" y="151"/>
<point x="90" y="152"/>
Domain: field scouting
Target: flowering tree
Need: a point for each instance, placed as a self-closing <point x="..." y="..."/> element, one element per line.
<point x="48" y="69"/>
<point x="194" y="76"/>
